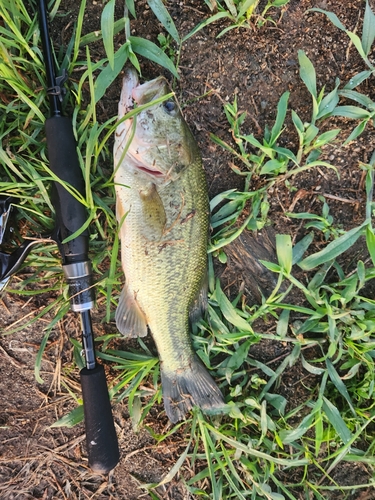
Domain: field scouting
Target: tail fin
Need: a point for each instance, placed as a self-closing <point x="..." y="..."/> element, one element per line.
<point x="192" y="386"/>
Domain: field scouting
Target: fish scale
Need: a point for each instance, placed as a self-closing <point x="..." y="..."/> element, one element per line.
<point x="163" y="211"/>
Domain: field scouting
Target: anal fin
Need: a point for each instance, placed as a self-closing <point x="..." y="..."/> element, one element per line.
<point x="130" y="320"/>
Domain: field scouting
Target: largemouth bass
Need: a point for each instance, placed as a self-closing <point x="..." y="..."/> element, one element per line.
<point x="163" y="214"/>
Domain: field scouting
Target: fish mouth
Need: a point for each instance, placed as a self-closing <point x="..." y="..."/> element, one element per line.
<point x="132" y="92"/>
<point x="149" y="171"/>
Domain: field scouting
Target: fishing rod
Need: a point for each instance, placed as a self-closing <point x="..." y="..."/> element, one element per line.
<point x="101" y="438"/>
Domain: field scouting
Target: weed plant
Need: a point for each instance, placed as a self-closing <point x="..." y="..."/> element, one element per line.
<point x="249" y="452"/>
<point x="241" y="13"/>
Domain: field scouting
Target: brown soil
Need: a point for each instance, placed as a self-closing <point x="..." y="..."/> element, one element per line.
<point x="257" y="65"/>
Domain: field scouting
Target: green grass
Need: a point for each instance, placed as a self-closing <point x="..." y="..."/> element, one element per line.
<point x="260" y="448"/>
<point x="241" y="14"/>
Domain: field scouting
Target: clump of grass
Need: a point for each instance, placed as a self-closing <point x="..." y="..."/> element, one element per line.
<point x="240" y="13"/>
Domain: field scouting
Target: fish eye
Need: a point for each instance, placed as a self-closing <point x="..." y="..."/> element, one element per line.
<point x="169" y="106"/>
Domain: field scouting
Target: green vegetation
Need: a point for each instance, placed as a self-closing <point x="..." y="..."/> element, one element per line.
<point x="249" y="452"/>
<point x="241" y="13"/>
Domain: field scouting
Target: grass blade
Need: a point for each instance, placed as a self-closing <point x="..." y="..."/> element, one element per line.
<point x="358" y="79"/>
<point x="284" y="251"/>
<point x="246" y="5"/>
<point x="152" y="52"/>
<point x="362" y="99"/>
<point x="283" y="323"/>
<point x="229" y="311"/>
<point x="336" y="420"/>
<point x="163" y="16"/>
<point x="107" y="22"/>
<point x="334" y="249"/>
<point x="370" y="242"/>
<point x="71" y="419"/>
<point x="108" y="75"/>
<point x="357" y="44"/>
<point x="256" y="453"/>
<point x="301" y="246"/>
<point x="332" y="17"/>
<point x="38" y="360"/>
<point x="356" y="132"/>
<point x="211" y="454"/>
<point x="353" y="112"/>
<point x="339" y="384"/>
<point x="204" y="23"/>
<point x="307" y="73"/>
<point x="131" y="6"/>
<point x="95" y="36"/>
<point x="289" y="437"/>
<point x="329" y="102"/>
<point x="280" y="117"/>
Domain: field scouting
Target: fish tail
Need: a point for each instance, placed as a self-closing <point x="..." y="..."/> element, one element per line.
<point x="193" y="386"/>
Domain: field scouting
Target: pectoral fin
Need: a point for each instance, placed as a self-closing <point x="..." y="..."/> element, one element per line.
<point x="130" y="320"/>
<point x="154" y="217"/>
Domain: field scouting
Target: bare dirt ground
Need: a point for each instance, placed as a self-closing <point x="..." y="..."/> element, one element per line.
<point x="39" y="462"/>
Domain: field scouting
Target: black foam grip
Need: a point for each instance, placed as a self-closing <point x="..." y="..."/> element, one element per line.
<point x="101" y="438"/>
<point x="63" y="159"/>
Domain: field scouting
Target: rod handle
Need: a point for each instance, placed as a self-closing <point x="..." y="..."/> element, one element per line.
<point x="70" y="212"/>
<point x="102" y="445"/>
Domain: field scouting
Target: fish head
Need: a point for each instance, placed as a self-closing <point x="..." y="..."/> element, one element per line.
<point x="156" y="142"/>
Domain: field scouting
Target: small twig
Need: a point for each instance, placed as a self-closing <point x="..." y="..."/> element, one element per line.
<point x="301" y="193"/>
<point x="5" y="306"/>
<point x="14" y="362"/>
<point x="338" y="198"/>
<point x="322" y="173"/>
<point x="9" y="327"/>
<point x="70" y="444"/>
<point x="55" y="484"/>
<point x="195" y="10"/>
<point x="132" y="453"/>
